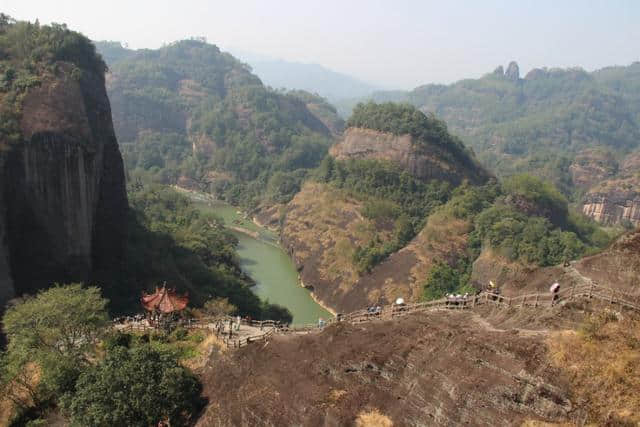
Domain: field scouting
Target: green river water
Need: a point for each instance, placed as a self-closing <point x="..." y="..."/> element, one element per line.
<point x="268" y="265"/>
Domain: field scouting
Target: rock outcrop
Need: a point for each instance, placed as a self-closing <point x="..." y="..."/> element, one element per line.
<point x="438" y="368"/>
<point x="613" y="208"/>
<point x="616" y="200"/>
<point x="429" y="163"/>
<point x="63" y="190"/>
<point x="513" y="71"/>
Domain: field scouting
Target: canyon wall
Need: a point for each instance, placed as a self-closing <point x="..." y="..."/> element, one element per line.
<point x="63" y="187"/>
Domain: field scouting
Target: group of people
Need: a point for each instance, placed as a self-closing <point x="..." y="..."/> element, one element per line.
<point x="374" y="310"/>
<point x="129" y="319"/>
<point x="457" y="299"/>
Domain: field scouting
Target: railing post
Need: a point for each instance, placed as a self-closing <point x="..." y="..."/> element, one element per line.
<point x="573" y="288"/>
<point x="535" y="304"/>
<point x="590" y="290"/>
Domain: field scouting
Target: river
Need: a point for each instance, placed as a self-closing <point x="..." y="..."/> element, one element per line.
<point x="262" y="258"/>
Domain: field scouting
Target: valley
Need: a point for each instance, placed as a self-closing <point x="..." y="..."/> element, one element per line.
<point x="182" y="244"/>
<point x="262" y="258"/>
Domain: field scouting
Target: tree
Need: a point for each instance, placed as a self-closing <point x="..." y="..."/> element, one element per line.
<point x="219" y="307"/>
<point x="134" y="387"/>
<point x="51" y="337"/>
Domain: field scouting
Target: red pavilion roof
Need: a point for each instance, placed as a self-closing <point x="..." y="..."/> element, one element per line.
<point x="164" y="300"/>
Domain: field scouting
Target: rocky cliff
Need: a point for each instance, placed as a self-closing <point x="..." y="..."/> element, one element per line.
<point x="433" y="162"/>
<point x="616" y="200"/>
<point x="62" y="196"/>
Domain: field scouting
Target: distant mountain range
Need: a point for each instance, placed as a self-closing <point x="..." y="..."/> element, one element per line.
<point x="313" y="78"/>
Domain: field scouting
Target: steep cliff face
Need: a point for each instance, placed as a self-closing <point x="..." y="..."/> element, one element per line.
<point x="425" y="163"/>
<point x="63" y="187"/>
<point x="6" y="283"/>
<point x="617" y="200"/>
<point x="613" y="208"/>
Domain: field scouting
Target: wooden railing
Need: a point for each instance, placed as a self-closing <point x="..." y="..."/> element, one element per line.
<point x="537" y="300"/>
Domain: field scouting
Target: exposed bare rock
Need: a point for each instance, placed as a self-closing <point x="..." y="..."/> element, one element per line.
<point x="423" y="163"/>
<point x="513" y="71"/>
<point x="617" y="267"/>
<point x="438" y="368"/>
<point x="613" y="208"/>
<point x="405" y="272"/>
<point x="515" y="278"/>
<point x="62" y="185"/>
<point x="321" y="231"/>
<point x="617" y="200"/>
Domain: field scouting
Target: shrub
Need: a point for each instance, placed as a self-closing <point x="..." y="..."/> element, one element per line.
<point x="134" y="387"/>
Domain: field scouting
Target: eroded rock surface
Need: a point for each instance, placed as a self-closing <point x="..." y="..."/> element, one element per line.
<point x="63" y="188"/>
<point x="439" y="368"/>
<point x="423" y="163"/>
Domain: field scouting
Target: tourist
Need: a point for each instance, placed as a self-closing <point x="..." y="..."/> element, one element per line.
<point x="554" y="289"/>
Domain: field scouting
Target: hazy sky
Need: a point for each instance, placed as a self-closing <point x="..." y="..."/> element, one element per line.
<point x="394" y="43"/>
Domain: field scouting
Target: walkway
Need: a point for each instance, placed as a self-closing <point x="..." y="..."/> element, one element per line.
<point x="256" y="331"/>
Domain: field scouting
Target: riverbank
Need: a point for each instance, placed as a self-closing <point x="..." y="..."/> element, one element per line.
<point x="318" y="300"/>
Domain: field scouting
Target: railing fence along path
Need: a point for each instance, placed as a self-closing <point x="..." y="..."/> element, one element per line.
<point x="267" y="328"/>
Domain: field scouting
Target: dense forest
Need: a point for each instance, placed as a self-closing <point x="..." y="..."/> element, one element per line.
<point x="537" y="124"/>
<point x="188" y="112"/>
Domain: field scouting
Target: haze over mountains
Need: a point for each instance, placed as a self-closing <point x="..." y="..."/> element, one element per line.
<point x="314" y="78"/>
<point x="113" y="174"/>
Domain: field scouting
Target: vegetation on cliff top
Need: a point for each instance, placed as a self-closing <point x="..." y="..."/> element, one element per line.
<point x="403" y="119"/>
<point x="521" y="125"/>
<point x="28" y="52"/>
<point x="541" y="232"/>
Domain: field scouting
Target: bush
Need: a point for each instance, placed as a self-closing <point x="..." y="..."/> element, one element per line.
<point x="444" y="279"/>
<point x="134" y="387"/>
<point x="179" y="334"/>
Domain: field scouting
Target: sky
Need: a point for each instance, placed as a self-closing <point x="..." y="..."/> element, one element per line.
<point x="394" y="44"/>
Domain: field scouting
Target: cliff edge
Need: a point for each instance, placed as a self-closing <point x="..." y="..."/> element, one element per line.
<point x="63" y="203"/>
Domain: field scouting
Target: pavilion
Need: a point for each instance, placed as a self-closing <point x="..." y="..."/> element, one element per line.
<point x="163" y="304"/>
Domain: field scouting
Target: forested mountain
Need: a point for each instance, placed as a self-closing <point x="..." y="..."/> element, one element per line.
<point x="402" y="207"/>
<point x="538" y="123"/>
<point x="192" y="114"/>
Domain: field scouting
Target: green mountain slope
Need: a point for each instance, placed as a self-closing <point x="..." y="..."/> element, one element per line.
<point x="188" y="113"/>
<point x="540" y="122"/>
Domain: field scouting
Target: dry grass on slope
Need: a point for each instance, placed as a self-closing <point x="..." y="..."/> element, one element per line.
<point x="325" y="225"/>
<point x="602" y="362"/>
